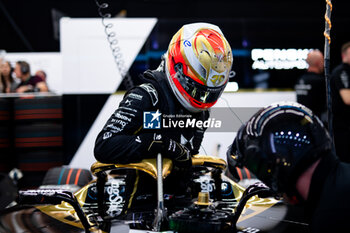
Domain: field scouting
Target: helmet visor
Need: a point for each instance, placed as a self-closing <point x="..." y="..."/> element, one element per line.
<point x="197" y="91"/>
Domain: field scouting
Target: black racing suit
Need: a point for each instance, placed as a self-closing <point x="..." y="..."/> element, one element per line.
<point x="123" y="138"/>
<point x="328" y="202"/>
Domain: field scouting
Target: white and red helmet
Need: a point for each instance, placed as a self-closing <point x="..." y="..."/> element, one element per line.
<point x="197" y="65"/>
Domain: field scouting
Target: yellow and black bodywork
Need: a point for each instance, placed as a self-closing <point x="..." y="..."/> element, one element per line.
<point x="261" y="213"/>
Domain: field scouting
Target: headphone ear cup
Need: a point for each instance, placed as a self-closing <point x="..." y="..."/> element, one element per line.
<point x="251" y="159"/>
<point x="24" y="69"/>
<point x="252" y="151"/>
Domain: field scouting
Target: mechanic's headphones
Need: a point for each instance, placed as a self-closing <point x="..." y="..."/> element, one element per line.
<point x="252" y="149"/>
<point x="24" y="66"/>
<point x="238" y="152"/>
<point x="234" y="153"/>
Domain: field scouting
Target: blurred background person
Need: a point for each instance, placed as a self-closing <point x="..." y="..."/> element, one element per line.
<point x="42" y="74"/>
<point x="28" y="83"/>
<point x="7" y="84"/>
<point x="311" y="86"/>
<point x="340" y="86"/>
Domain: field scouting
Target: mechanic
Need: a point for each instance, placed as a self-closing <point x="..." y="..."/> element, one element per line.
<point x="190" y="79"/>
<point x="287" y="147"/>
<point x="340" y="87"/>
<point x="311" y="86"/>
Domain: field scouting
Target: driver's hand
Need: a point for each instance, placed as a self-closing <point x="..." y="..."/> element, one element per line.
<point x="180" y="155"/>
<point x="169" y="148"/>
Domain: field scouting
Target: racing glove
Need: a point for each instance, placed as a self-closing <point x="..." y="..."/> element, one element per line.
<point x="169" y="148"/>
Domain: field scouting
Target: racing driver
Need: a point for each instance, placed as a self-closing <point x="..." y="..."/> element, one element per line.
<point x="287" y="147"/>
<point x="191" y="77"/>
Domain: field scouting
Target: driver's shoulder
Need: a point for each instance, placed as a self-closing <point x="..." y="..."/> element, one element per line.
<point x="144" y="93"/>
